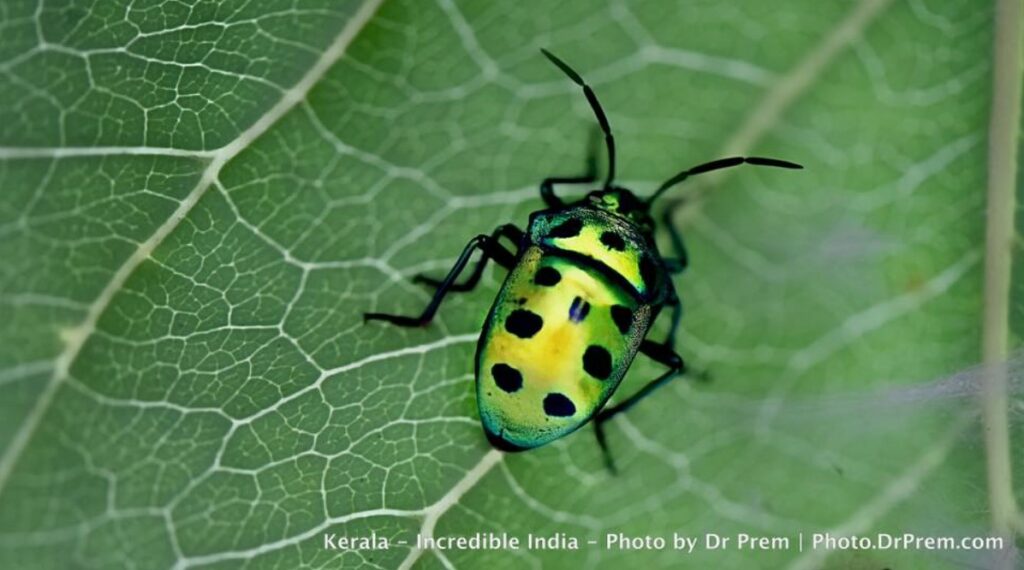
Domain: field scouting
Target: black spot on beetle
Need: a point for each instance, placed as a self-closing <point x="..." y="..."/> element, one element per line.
<point x="597" y="362"/>
<point x="507" y="378"/>
<point x="648" y="272"/>
<point x="523" y="323"/>
<point x="556" y="404"/>
<point x="612" y="240"/>
<point x="547" y="276"/>
<point x="567" y="229"/>
<point x="578" y="310"/>
<point x="623" y="318"/>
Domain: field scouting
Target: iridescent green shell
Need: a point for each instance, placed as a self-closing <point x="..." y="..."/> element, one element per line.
<point x="565" y="326"/>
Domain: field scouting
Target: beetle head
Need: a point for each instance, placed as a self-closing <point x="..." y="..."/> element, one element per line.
<point x="625" y="204"/>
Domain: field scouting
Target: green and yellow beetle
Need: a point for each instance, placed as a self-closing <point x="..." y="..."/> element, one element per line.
<point x="586" y="283"/>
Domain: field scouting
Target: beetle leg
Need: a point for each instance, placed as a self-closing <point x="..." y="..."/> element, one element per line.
<point x="491" y="250"/>
<point x="661" y="353"/>
<point x="682" y="258"/>
<point x="677" y="316"/>
<point x="547" y="188"/>
<point x="508" y="230"/>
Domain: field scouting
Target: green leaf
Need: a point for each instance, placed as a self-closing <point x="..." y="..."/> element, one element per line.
<point x="201" y="199"/>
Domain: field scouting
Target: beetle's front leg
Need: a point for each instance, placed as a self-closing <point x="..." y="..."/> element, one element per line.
<point x="547" y="187"/>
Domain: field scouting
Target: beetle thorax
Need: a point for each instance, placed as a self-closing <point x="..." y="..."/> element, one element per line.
<point x="623" y="203"/>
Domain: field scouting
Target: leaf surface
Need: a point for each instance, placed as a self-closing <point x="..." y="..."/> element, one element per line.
<point x="202" y="198"/>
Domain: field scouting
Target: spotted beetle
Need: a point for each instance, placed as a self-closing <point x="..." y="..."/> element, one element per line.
<point x="586" y="282"/>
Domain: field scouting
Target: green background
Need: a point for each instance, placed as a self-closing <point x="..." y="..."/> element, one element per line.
<point x="199" y="200"/>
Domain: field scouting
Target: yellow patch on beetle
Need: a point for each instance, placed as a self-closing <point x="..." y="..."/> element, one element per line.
<point x="549" y="357"/>
<point x="626" y="262"/>
<point x="599" y="236"/>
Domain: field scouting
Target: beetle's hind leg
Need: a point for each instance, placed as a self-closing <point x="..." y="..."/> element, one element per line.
<point x="659" y="352"/>
<point x="510" y="231"/>
<point x="491" y="250"/>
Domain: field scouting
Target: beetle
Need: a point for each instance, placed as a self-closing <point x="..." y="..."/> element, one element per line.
<point x="586" y="282"/>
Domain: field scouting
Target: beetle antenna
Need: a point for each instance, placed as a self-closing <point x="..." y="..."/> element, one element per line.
<point x="719" y="165"/>
<point x="598" y="111"/>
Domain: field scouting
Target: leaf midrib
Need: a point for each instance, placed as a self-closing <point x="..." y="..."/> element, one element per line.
<point x="1003" y="139"/>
